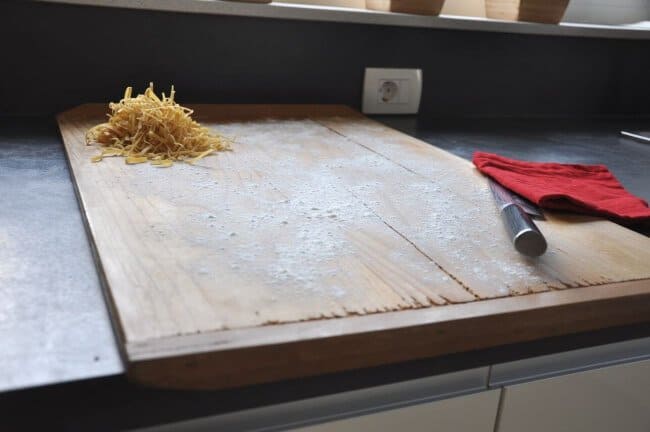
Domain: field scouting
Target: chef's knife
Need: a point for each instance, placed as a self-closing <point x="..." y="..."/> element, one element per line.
<point x="515" y="212"/>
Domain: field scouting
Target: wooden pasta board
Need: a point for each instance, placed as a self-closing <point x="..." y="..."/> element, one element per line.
<point x="323" y="242"/>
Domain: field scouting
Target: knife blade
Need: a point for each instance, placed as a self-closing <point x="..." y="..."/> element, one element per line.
<point x="524" y="234"/>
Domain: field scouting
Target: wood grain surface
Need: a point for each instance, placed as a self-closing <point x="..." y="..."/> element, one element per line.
<point x="542" y="11"/>
<point x="419" y="7"/>
<point x="326" y="241"/>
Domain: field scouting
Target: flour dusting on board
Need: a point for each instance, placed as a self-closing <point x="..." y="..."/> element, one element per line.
<point x="447" y="221"/>
<point x="308" y="224"/>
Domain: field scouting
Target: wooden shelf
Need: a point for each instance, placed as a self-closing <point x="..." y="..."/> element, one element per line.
<point x="362" y="16"/>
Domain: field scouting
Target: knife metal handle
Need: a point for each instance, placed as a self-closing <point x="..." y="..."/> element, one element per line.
<point x="523" y="232"/>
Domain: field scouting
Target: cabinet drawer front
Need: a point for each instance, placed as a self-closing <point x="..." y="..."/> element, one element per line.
<point x="615" y="398"/>
<point x="470" y="413"/>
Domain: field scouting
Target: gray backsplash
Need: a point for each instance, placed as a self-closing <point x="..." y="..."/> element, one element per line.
<point x="58" y="56"/>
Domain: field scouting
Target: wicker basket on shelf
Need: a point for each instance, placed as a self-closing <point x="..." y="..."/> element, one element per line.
<point x="541" y="11"/>
<point x="420" y="7"/>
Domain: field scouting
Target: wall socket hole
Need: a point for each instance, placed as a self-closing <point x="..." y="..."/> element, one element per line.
<point x="389" y="91"/>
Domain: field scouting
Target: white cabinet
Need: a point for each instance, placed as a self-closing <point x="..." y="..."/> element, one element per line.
<point x="615" y="398"/>
<point x="425" y="404"/>
<point x="470" y="413"/>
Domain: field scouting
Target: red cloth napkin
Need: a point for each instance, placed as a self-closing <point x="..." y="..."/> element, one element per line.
<point x="590" y="189"/>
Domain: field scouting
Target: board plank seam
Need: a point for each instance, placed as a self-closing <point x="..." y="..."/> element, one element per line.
<point x="392" y="228"/>
<point x="369" y="149"/>
<point x="456" y="279"/>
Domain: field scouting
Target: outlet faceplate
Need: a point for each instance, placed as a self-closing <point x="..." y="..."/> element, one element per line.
<point x="392" y="91"/>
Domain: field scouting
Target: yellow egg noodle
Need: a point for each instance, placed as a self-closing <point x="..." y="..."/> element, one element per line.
<point x="148" y="128"/>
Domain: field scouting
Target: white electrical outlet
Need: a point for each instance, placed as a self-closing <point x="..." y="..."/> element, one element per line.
<point x="392" y="91"/>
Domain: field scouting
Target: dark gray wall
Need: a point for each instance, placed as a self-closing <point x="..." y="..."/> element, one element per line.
<point x="58" y="56"/>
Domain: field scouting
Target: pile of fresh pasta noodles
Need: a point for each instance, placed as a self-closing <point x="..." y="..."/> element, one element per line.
<point x="149" y="128"/>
